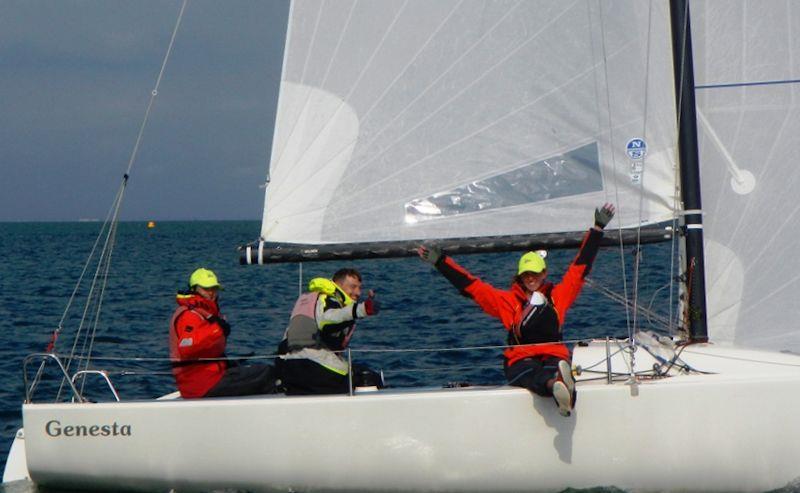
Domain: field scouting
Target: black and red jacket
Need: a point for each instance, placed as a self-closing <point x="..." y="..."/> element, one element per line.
<point x="509" y="305"/>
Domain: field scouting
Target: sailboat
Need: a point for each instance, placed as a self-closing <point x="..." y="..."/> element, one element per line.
<point x="494" y="126"/>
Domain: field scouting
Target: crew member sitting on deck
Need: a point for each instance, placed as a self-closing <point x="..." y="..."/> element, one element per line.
<point x="532" y="312"/>
<point x="322" y="322"/>
<point x="198" y="330"/>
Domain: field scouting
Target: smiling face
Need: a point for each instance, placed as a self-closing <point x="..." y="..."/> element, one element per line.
<point x="532" y="281"/>
<point x="350" y="285"/>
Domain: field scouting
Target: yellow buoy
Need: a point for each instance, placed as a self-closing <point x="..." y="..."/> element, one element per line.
<point x="151" y="224"/>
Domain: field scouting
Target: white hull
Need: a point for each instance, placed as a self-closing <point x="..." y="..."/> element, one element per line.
<point x="724" y="432"/>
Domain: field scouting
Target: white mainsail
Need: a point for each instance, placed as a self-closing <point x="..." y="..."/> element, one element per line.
<point x="747" y="69"/>
<point x="457" y="119"/>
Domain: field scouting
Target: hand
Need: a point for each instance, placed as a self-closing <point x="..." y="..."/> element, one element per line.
<point x="603" y="215"/>
<point x="372" y="306"/>
<point x="429" y="253"/>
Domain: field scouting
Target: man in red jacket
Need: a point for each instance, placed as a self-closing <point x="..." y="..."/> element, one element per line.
<point x="197" y="338"/>
<point x="532" y="311"/>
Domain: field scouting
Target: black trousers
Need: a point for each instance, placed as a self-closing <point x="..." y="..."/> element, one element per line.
<point x="305" y="377"/>
<point x="246" y="380"/>
<point x="533" y="373"/>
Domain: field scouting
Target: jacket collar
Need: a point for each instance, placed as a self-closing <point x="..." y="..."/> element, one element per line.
<point x="194" y="300"/>
<point x="519" y="291"/>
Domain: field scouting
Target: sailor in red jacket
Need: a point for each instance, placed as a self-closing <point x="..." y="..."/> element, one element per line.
<point x="532" y="311"/>
<point x="198" y="331"/>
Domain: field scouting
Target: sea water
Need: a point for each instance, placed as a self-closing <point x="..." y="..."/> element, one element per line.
<point x="42" y="262"/>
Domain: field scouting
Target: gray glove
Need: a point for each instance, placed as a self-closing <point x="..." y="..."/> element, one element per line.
<point x="430" y="253"/>
<point x="603" y="216"/>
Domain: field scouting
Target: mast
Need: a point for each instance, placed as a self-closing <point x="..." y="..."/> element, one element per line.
<point x="689" y="168"/>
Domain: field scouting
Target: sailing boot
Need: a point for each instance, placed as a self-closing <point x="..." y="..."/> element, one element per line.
<point x="564" y="389"/>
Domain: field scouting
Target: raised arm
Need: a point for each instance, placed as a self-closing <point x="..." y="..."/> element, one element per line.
<point x="495" y="302"/>
<point x="565" y="292"/>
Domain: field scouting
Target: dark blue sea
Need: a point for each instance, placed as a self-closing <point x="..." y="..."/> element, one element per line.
<point x="41" y="263"/>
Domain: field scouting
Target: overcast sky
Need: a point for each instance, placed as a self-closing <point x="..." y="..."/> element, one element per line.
<point x="75" y="80"/>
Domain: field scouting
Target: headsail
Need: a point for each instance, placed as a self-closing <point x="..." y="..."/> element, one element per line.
<point x="747" y="74"/>
<point x="455" y="119"/>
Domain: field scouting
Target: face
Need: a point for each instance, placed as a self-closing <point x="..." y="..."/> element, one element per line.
<point x="350" y="285"/>
<point x="207" y="293"/>
<point x="532" y="281"/>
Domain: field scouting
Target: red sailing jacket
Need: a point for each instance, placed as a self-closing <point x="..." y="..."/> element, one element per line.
<point x="196" y="331"/>
<point x="509" y="305"/>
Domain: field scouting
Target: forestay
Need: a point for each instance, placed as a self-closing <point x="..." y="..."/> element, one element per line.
<point x="747" y="69"/>
<point x="460" y="119"/>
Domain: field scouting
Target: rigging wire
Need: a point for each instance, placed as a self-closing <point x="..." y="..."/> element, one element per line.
<point x="99" y="283"/>
<point x="660" y="321"/>
<point x="59" y="328"/>
<point x="615" y="174"/>
<point x="103" y="284"/>
<point x="638" y="257"/>
<point x="91" y="298"/>
<point x="630" y="310"/>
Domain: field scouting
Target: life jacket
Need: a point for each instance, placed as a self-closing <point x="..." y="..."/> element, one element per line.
<point x="306" y="331"/>
<point x="538" y="323"/>
<point x="302" y="329"/>
<point x="307" y="337"/>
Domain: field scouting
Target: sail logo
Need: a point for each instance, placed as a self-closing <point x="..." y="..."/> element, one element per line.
<point x="636" y="149"/>
<point x="55" y="429"/>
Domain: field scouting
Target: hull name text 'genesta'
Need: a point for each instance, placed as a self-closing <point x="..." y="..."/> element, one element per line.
<point x="55" y="429"/>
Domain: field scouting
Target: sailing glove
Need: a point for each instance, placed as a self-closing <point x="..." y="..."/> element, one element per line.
<point x="372" y="306"/>
<point x="430" y="253"/>
<point x="603" y="216"/>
